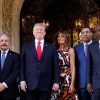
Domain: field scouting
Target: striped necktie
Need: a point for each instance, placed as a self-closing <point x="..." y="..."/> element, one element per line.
<point x="3" y="59"/>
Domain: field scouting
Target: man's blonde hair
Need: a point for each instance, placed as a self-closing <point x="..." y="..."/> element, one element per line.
<point x="39" y="24"/>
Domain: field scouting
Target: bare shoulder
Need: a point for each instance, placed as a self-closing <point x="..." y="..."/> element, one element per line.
<point x="71" y="51"/>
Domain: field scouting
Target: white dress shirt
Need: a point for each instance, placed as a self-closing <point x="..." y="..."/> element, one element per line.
<point x="87" y="43"/>
<point x="36" y="44"/>
<point x="99" y="44"/>
<point x="85" y="48"/>
<point x="5" y="52"/>
<point x="41" y="43"/>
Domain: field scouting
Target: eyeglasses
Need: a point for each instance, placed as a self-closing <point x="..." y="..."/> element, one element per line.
<point x="86" y="32"/>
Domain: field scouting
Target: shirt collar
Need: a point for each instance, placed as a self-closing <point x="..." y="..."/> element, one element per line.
<point x="87" y="43"/>
<point x="5" y="51"/>
<point x="42" y="41"/>
<point x="99" y="42"/>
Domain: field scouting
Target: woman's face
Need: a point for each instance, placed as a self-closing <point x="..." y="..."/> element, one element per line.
<point x="61" y="38"/>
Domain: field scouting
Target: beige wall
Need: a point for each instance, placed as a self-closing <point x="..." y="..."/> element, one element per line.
<point x="10" y="20"/>
<point x="1" y="16"/>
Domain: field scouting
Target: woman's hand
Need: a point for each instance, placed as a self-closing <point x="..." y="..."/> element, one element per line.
<point x="71" y="88"/>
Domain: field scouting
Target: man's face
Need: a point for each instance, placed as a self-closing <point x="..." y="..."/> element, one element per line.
<point x="4" y="43"/>
<point x="86" y="34"/>
<point x="39" y="32"/>
<point x="98" y="31"/>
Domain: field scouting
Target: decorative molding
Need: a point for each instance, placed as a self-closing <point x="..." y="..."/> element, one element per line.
<point x="16" y="24"/>
<point x="1" y="16"/>
<point x="7" y="7"/>
<point x="10" y="21"/>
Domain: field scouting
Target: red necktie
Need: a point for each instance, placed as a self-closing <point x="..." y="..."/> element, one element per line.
<point x="39" y="50"/>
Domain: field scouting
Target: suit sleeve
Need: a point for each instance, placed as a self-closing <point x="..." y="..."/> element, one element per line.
<point x="22" y="77"/>
<point x="76" y="67"/>
<point x="14" y="74"/>
<point x="56" y="67"/>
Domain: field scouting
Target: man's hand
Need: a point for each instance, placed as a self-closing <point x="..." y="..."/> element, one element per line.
<point x="23" y="86"/>
<point x="2" y="87"/>
<point x="89" y="88"/>
<point x="55" y="87"/>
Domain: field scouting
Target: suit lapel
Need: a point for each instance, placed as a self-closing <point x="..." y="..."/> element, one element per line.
<point x="32" y="47"/>
<point x="96" y="46"/>
<point x="44" y="50"/>
<point x="34" y="50"/>
<point x="8" y="57"/>
<point x="82" y="49"/>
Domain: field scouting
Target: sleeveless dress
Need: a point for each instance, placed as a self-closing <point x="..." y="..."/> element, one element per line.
<point x="65" y="79"/>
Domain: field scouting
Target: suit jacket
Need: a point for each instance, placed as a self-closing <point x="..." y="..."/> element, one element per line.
<point x="93" y="65"/>
<point x="80" y="61"/>
<point x="9" y="74"/>
<point x="39" y="74"/>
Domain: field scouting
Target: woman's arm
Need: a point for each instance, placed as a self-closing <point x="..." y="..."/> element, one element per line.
<point x="72" y="67"/>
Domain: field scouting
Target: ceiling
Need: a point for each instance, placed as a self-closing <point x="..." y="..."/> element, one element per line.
<point x="38" y="6"/>
<point x="64" y="12"/>
<point x="59" y="13"/>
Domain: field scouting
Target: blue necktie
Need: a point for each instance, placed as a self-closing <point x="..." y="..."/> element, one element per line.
<point x="2" y="59"/>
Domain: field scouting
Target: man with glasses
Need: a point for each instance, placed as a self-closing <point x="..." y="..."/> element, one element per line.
<point x="81" y="63"/>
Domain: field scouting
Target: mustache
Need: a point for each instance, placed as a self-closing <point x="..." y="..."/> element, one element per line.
<point x="3" y="45"/>
<point x="39" y="32"/>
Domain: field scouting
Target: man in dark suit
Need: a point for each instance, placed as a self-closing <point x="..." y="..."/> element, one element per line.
<point x="81" y="62"/>
<point x="39" y="72"/>
<point x="9" y="68"/>
<point x="93" y="65"/>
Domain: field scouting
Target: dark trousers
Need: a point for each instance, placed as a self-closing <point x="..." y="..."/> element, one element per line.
<point x="37" y="95"/>
<point x="96" y="94"/>
<point x="2" y="97"/>
<point x="83" y="94"/>
<point x="7" y="98"/>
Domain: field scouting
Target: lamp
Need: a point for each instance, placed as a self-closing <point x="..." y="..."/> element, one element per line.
<point x="79" y="23"/>
<point x="46" y="23"/>
<point x="94" y="19"/>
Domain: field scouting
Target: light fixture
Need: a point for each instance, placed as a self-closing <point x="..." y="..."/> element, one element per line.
<point x="46" y="23"/>
<point x="79" y="23"/>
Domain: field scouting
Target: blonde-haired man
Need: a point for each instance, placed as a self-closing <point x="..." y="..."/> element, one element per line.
<point x="39" y="67"/>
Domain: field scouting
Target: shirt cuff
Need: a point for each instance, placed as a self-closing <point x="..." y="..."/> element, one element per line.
<point x="22" y="82"/>
<point x="5" y="84"/>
